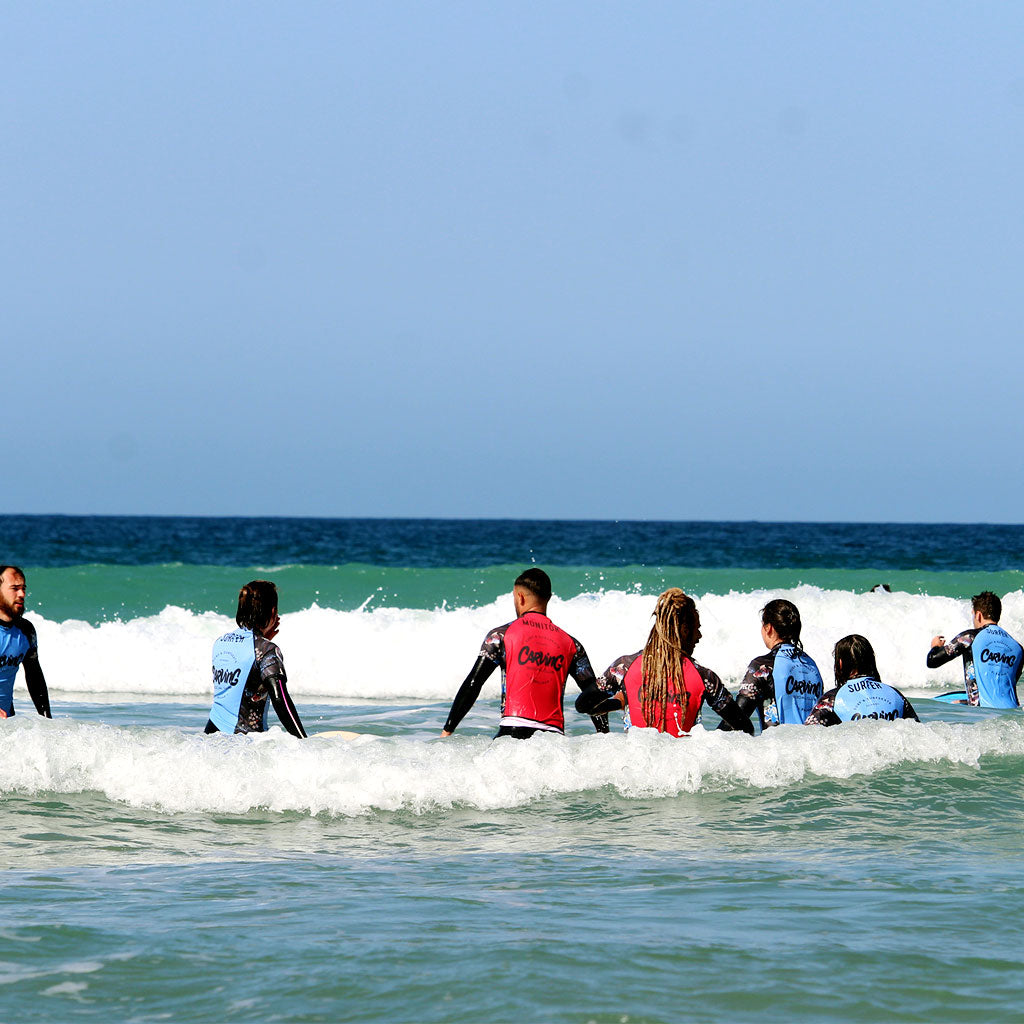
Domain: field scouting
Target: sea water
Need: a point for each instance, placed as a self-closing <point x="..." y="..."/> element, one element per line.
<point x="868" y="872"/>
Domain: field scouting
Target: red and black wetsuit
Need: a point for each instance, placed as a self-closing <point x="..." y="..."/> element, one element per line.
<point x="535" y="657"/>
<point x="625" y="675"/>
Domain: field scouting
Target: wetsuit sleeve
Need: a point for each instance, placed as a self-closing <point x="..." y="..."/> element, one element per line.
<point x="956" y="648"/>
<point x="469" y="690"/>
<point x="582" y="671"/>
<point x="823" y="713"/>
<point x="36" y="684"/>
<point x="273" y="677"/>
<point x="908" y="710"/>
<point x="754" y="688"/>
<point x="34" y="679"/>
<point x="718" y="696"/>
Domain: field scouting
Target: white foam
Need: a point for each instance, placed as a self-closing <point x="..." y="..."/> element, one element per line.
<point x="388" y="653"/>
<point x="172" y="771"/>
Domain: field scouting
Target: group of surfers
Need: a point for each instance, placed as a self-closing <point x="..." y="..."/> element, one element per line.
<point x="660" y="687"/>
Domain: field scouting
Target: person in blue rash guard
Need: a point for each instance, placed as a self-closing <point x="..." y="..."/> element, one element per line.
<point x="992" y="658"/>
<point x="18" y="645"/>
<point x="248" y="668"/>
<point x="859" y="693"/>
<point x="784" y="684"/>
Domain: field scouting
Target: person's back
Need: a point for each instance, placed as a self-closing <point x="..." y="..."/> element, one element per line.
<point x="784" y="684"/>
<point x="859" y="694"/>
<point x="248" y="668"/>
<point x="992" y="659"/>
<point x="535" y="657"/>
<point x="662" y="687"/>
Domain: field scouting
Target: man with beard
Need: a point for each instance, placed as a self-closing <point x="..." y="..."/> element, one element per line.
<point x="18" y="645"/>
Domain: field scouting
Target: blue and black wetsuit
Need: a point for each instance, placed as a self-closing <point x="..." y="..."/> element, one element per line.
<point x="859" y="699"/>
<point x="992" y="665"/>
<point x="783" y="684"/>
<point x="18" y="646"/>
<point x="247" y="669"/>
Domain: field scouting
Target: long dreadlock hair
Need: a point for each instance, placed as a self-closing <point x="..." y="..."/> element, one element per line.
<point x="673" y="638"/>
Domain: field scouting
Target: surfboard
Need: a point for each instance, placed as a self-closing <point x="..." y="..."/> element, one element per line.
<point x="340" y="734"/>
<point x="956" y="697"/>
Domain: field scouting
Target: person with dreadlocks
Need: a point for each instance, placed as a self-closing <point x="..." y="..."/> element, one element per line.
<point x="536" y="658"/>
<point x="784" y="684"/>
<point x="662" y="687"/>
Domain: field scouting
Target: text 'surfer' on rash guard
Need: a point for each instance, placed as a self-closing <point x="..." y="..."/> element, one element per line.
<point x="860" y="699"/>
<point x="536" y="657"/>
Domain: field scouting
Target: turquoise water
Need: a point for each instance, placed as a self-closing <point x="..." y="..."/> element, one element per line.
<point x="870" y="872"/>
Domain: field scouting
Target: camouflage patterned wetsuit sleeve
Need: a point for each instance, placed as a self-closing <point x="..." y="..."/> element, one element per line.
<point x="267" y="679"/>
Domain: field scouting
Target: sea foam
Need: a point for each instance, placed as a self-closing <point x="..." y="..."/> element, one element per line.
<point x="173" y="771"/>
<point x="392" y="653"/>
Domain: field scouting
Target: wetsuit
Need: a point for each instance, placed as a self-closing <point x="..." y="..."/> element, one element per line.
<point x="861" y="698"/>
<point x="783" y="684"/>
<point x="625" y="675"/>
<point x="18" y="646"/>
<point x="535" y="658"/>
<point x="247" y="669"/>
<point x="992" y="665"/>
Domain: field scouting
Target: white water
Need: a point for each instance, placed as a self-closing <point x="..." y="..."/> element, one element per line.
<point x="389" y="653"/>
<point x="172" y="770"/>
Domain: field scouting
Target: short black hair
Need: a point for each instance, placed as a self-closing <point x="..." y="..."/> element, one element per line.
<point x="13" y="568"/>
<point x="988" y="604"/>
<point x="257" y="602"/>
<point x="537" y="582"/>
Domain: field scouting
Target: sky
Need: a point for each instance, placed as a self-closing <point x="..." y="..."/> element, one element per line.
<point x="529" y="260"/>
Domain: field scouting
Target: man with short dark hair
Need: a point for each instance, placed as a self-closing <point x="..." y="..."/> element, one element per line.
<point x="536" y="658"/>
<point x="992" y="658"/>
<point x="18" y="645"/>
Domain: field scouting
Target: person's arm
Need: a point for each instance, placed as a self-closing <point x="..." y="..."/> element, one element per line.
<point x="274" y="678"/>
<point x="596" y="701"/>
<point x="823" y="712"/>
<point x="752" y="690"/>
<point x="908" y="710"/>
<point x="718" y="696"/>
<point x="582" y="671"/>
<point x="941" y="652"/>
<point x="468" y="693"/>
<point x="36" y="684"/>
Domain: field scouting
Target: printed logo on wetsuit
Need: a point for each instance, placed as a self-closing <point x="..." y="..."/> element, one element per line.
<point x="222" y="677"/>
<point x="1005" y="659"/>
<point x="527" y="656"/>
<point x="794" y="685"/>
<point x="6" y="660"/>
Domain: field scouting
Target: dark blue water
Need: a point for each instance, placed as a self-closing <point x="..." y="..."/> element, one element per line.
<point x="56" y="541"/>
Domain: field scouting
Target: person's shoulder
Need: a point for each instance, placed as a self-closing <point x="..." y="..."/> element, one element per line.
<point x="23" y="625"/>
<point x="709" y="675"/>
<point x="266" y="648"/>
<point x="829" y="696"/>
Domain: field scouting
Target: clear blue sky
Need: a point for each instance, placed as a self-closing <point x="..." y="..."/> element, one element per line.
<point x="563" y="259"/>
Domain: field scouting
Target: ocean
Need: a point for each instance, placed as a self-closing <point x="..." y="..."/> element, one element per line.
<point x="862" y="873"/>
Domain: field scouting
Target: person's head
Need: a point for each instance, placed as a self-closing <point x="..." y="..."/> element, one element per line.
<point x="12" y="592"/>
<point x="531" y="591"/>
<point x="854" y="657"/>
<point x="986" y="607"/>
<point x="673" y="638"/>
<point x="257" y="605"/>
<point x="780" y="622"/>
